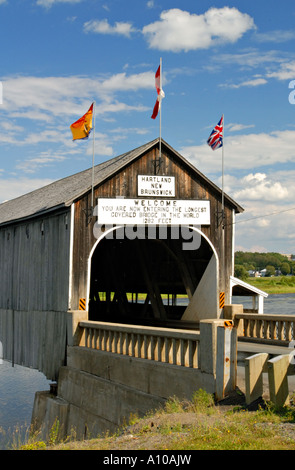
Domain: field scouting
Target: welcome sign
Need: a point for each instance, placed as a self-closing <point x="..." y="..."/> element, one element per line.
<point x="111" y="211"/>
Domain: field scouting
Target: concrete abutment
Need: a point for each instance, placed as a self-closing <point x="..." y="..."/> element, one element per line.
<point x="99" y="391"/>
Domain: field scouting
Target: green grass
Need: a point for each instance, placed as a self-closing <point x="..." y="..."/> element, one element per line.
<point x="274" y="285"/>
<point x="197" y="425"/>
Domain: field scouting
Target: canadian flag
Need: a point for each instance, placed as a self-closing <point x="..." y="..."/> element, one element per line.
<point x="160" y="93"/>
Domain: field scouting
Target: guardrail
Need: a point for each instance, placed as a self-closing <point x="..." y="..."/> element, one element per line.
<point x="178" y="347"/>
<point x="271" y="329"/>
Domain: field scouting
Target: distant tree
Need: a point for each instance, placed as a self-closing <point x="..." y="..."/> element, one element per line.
<point x="270" y="270"/>
<point x="285" y="268"/>
<point x="241" y="272"/>
<point x="292" y="266"/>
<point x="259" y="260"/>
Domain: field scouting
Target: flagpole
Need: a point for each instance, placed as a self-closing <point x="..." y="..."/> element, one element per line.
<point x="222" y="202"/>
<point x="222" y="208"/>
<point x="160" y="124"/>
<point x="93" y="150"/>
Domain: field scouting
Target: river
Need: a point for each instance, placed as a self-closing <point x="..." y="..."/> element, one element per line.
<point x="19" y="384"/>
<point x="17" y="392"/>
<point x="280" y="304"/>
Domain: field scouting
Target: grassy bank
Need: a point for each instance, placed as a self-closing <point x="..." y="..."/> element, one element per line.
<point x="197" y="425"/>
<point x="274" y="285"/>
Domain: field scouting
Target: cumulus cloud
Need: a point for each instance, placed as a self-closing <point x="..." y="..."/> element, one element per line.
<point x="246" y="151"/>
<point x="179" y="30"/>
<point x="259" y="187"/>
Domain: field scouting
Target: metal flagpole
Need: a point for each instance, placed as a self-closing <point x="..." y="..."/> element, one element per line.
<point x="222" y="208"/>
<point x="222" y="202"/>
<point x="93" y="150"/>
<point x="160" y="143"/>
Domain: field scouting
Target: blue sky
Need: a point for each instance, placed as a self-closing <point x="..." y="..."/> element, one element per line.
<point x="232" y="58"/>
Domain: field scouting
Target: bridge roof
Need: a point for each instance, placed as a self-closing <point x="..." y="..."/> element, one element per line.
<point x="62" y="193"/>
<point x="242" y="288"/>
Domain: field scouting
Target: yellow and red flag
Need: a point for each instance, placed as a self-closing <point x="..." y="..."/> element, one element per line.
<point x="82" y="128"/>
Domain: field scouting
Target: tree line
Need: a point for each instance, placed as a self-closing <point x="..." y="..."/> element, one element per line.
<point x="274" y="263"/>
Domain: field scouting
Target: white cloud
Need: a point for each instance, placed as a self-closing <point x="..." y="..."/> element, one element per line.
<point x="252" y="58"/>
<point x="247" y="83"/>
<point x="286" y="71"/>
<point x="46" y="98"/>
<point x="49" y="3"/>
<point x="103" y="27"/>
<point x="258" y="187"/>
<point x="238" y="127"/>
<point x="266" y="226"/>
<point x="266" y="196"/>
<point x="179" y="30"/>
<point x="275" y="36"/>
<point x="150" y="4"/>
<point x="45" y="159"/>
<point x="245" y="151"/>
<point x="11" y="188"/>
<point x="123" y="82"/>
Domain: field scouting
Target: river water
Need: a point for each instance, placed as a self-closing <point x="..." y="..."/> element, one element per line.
<point x="278" y="304"/>
<point x="19" y="384"/>
<point x="17" y="392"/>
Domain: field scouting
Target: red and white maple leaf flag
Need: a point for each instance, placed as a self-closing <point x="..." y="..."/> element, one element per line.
<point x="160" y="93"/>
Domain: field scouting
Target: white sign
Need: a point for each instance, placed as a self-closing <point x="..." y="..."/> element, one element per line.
<point x="158" y="186"/>
<point x="152" y="211"/>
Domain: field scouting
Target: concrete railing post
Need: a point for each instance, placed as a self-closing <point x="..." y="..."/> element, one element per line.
<point x="254" y="367"/>
<point x="229" y="313"/>
<point x="226" y="360"/>
<point x="278" y="380"/>
<point x="74" y="332"/>
<point x="218" y="353"/>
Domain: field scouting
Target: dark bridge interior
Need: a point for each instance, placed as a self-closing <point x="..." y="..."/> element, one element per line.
<point x="145" y="281"/>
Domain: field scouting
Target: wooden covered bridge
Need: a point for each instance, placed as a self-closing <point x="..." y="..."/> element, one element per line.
<point x="151" y="255"/>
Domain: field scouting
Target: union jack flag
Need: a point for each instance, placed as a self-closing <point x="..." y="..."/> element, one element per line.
<point x="216" y="137"/>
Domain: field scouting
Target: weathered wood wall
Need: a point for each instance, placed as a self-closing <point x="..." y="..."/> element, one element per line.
<point x="34" y="260"/>
<point x="34" y="339"/>
<point x="34" y="279"/>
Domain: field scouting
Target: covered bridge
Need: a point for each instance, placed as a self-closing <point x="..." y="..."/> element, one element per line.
<point x="156" y="251"/>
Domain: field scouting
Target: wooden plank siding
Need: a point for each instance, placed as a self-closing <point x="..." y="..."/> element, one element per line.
<point x="34" y="292"/>
<point x="124" y="184"/>
<point x="36" y="259"/>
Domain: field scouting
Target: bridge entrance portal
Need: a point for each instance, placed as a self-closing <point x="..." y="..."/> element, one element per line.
<point x="146" y="280"/>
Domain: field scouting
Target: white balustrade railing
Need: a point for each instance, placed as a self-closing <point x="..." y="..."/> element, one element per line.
<point x="178" y="347"/>
<point x="274" y="329"/>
